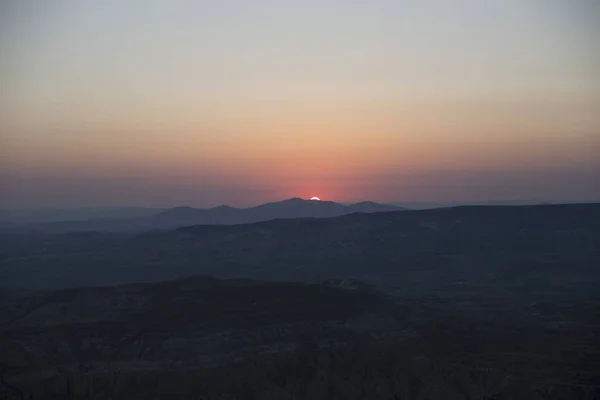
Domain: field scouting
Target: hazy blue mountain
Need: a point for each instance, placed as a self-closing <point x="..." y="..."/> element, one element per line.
<point x="221" y="215"/>
<point x="291" y="208"/>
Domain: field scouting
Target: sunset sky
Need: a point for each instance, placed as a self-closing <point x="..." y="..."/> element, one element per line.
<point x="200" y="103"/>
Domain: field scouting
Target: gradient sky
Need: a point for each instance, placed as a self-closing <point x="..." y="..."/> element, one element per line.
<point x="163" y="103"/>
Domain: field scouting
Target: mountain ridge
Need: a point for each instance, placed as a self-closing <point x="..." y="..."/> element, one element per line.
<point x="466" y="243"/>
<point x="220" y="215"/>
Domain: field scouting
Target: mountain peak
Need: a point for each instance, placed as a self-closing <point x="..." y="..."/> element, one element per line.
<point x="182" y="208"/>
<point x="294" y="199"/>
<point x="365" y="203"/>
<point x="180" y="211"/>
<point x="222" y="207"/>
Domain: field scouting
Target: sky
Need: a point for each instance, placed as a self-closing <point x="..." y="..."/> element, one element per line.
<point x="201" y="103"/>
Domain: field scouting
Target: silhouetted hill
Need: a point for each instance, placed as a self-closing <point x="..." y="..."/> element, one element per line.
<point x="221" y="215"/>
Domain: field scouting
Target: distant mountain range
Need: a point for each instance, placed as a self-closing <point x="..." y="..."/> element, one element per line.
<point x="516" y="247"/>
<point x="56" y="214"/>
<point x="221" y="215"/>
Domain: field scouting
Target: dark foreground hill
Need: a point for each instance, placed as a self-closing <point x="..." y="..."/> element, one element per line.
<point x="221" y="215"/>
<point x="213" y="339"/>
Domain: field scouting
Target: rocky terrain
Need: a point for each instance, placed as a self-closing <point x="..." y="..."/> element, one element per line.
<point x="213" y="339"/>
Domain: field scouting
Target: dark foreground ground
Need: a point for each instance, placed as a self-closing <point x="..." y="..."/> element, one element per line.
<point x="466" y="303"/>
<point x="202" y="338"/>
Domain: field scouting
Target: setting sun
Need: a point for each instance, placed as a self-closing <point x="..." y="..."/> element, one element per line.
<point x="315" y="198"/>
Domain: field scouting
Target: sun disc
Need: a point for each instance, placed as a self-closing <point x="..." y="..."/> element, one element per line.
<point x="315" y="198"/>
